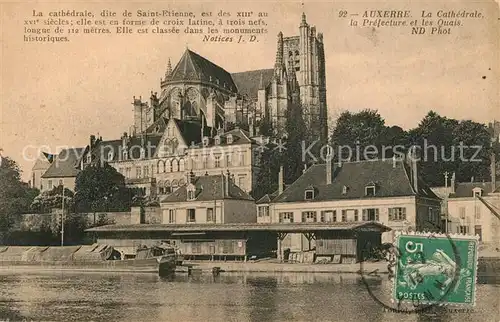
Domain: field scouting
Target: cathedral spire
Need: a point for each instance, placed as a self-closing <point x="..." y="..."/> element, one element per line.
<point x="303" y="22"/>
<point x="169" y="69"/>
<point x="279" y="51"/>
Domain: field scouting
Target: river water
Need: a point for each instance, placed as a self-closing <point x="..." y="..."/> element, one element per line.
<point x="76" y="296"/>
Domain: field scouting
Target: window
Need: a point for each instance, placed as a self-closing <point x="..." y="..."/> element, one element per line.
<point x="204" y="164"/>
<point x="229" y="139"/>
<point x="217" y="140"/>
<point x="171" y="216"/>
<point x="370" y="214"/>
<point x="191" y="194"/>
<point x="125" y="155"/>
<point x="309" y="194"/>
<point x="370" y="190"/>
<point x="191" y="215"/>
<point x="196" y="247"/>
<point x="477" y="212"/>
<point x="138" y="172"/>
<point x="143" y="153"/>
<point x="477" y="192"/>
<point x="217" y="161"/>
<point x="241" y="182"/>
<point x="210" y="215"/>
<point x="110" y="155"/>
<point x="146" y="171"/>
<point x="344" y="190"/>
<point x="397" y="213"/>
<point x="242" y="158"/>
<point x="329" y="216"/>
<point x="309" y="216"/>
<point x="263" y="211"/>
<point x="463" y="229"/>
<point x="205" y="141"/>
<point x="60" y="182"/>
<point x="286" y="217"/>
<point x="350" y="215"/>
<point x="430" y="215"/>
<point x="50" y="184"/>
<point x="228" y="160"/>
<point x="462" y="212"/>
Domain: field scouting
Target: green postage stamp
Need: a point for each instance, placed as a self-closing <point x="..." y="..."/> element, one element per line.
<point x="435" y="269"/>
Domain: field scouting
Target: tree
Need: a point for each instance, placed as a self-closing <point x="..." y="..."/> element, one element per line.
<point x="15" y="195"/>
<point x="101" y="188"/>
<point x="294" y="159"/>
<point x="265" y="126"/>
<point x="267" y="177"/>
<point x="475" y="160"/>
<point x="364" y="135"/>
<point x="52" y="199"/>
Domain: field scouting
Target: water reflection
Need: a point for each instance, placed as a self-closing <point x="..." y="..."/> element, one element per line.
<point x="233" y="297"/>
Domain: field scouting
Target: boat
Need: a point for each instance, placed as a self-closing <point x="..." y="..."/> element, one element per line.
<point x="162" y="258"/>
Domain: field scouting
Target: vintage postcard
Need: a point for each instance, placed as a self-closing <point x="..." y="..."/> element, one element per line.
<point x="249" y="160"/>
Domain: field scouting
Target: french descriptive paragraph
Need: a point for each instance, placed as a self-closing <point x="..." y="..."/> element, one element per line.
<point x="213" y="26"/>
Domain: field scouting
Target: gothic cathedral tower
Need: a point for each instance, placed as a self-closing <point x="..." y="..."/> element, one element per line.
<point x="305" y="53"/>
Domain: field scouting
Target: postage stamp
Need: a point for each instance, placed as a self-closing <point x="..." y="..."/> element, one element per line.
<point x="435" y="269"/>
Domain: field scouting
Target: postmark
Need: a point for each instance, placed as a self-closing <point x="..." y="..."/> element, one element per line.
<point x="425" y="273"/>
<point x="431" y="270"/>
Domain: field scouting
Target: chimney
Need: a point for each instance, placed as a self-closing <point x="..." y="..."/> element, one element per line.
<point x="493" y="172"/>
<point x="452" y="184"/>
<point x="226" y="192"/>
<point x="280" y="181"/>
<point x="92" y="141"/>
<point x="414" y="168"/>
<point x="328" y="170"/>
<point x="124" y="139"/>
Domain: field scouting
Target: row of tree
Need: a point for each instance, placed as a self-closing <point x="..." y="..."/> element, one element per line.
<point x="97" y="189"/>
<point x="445" y="145"/>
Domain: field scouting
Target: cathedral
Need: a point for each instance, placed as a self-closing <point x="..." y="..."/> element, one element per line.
<point x="197" y="90"/>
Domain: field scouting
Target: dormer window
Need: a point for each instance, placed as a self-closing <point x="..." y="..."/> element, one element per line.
<point x="370" y="190"/>
<point x="110" y="155"/>
<point x="205" y="141"/>
<point x="125" y="155"/>
<point x="217" y="140"/>
<point x="344" y="190"/>
<point x="229" y="139"/>
<point x="309" y="193"/>
<point x="191" y="192"/>
<point x="477" y="192"/>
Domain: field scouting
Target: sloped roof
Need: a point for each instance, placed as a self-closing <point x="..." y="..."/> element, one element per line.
<point x="248" y="82"/>
<point x="192" y="66"/>
<point x="104" y="147"/>
<point x="464" y="189"/>
<point x="65" y="164"/>
<point x="209" y="188"/>
<point x="390" y="177"/>
<point x="43" y="161"/>
<point x="191" y="131"/>
<point x="158" y="126"/>
<point x="239" y="137"/>
<point x="267" y="198"/>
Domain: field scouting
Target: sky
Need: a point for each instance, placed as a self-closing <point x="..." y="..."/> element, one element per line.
<point x="57" y="95"/>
